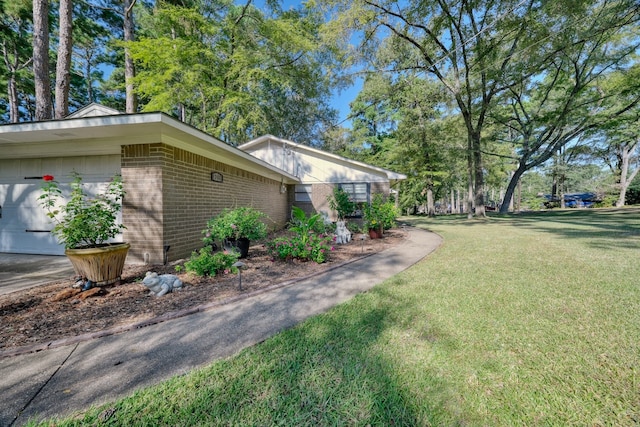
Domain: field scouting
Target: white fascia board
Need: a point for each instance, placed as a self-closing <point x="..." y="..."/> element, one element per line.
<point x="106" y="134"/>
<point x="181" y="135"/>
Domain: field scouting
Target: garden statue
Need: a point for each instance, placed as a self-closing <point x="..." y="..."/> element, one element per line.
<point x="160" y="285"/>
<point x="343" y="235"/>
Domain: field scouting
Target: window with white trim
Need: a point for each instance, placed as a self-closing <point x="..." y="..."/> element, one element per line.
<point x="303" y="192"/>
<point x="358" y="191"/>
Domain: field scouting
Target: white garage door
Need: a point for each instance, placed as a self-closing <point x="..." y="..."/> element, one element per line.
<point x="24" y="225"/>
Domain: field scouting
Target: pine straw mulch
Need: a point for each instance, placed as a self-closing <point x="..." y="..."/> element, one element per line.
<point x="54" y="313"/>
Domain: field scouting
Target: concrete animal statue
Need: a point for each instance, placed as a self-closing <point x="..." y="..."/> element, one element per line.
<point x="160" y="285"/>
<point x="343" y="235"/>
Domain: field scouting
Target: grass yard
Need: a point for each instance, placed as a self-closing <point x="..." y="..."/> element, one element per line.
<point x="516" y="320"/>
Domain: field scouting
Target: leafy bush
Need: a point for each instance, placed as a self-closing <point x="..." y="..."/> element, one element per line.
<point x="306" y="244"/>
<point x="207" y="263"/>
<point x="83" y="221"/>
<point x="607" y="201"/>
<point x="340" y="201"/>
<point x="379" y="213"/>
<point x="236" y="223"/>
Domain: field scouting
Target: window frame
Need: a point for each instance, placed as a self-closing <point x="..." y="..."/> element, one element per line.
<point x="303" y="189"/>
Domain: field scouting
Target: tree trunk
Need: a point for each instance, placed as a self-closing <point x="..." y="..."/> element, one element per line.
<point x="12" y="67"/>
<point x="470" y="179"/>
<point x="478" y="176"/>
<point x="14" y="115"/>
<point x="129" y="67"/>
<point x="42" y="80"/>
<point x="452" y="201"/>
<point x="63" y="64"/>
<point x="431" y="207"/>
<point x="625" y="180"/>
<point x="511" y="187"/>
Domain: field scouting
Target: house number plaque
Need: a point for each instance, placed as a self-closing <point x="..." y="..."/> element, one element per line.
<point x="216" y="177"/>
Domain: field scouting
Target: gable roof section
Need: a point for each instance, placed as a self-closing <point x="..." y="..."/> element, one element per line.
<point x="100" y="135"/>
<point x="324" y="155"/>
<point x="93" y="110"/>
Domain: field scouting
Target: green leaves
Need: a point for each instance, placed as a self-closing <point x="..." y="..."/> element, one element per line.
<point x="242" y="222"/>
<point x="84" y="220"/>
<point x="232" y="70"/>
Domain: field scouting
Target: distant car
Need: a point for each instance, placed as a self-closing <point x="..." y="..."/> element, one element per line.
<point x="574" y="200"/>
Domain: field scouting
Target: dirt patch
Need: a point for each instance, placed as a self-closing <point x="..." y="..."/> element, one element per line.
<point x="56" y="310"/>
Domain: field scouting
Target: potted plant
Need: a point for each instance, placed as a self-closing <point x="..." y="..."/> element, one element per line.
<point x="84" y="224"/>
<point x="378" y="216"/>
<point x="236" y="228"/>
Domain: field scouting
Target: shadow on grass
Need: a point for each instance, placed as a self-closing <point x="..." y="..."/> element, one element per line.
<point x="605" y="228"/>
<point x="327" y="371"/>
<point x="333" y="369"/>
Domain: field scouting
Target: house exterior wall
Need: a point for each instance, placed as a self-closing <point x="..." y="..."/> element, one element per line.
<point x="313" y="169"/>
<point x="321" y="192"/>
<point x="323" y="174"/>
<point x="170" y="197"/>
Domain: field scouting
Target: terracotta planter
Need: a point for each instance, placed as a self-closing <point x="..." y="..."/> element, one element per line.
<point x="102" y="265"/>
<point x="375" y="233"/>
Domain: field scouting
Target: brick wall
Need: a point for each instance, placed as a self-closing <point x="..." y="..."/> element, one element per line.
<point x="170" y="197"/>
<point x="141" y="169"/>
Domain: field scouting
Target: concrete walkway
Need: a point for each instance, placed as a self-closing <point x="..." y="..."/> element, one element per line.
<point x="20" y="271"/>
<point x="67" y="379"/>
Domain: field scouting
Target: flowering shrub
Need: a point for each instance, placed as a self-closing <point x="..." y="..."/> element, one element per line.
<point x="306" y="243"/>
<point x="207" y="263"/>
<point x="83" y="221"/>
<point x="236" y="223"/>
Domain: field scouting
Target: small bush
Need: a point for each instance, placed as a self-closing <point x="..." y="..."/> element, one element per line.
<point x="207" y="263"/>
<point x="242" y="222"/>
<point x="380" y="213"/>
<point x="340" y="201"/>
<point x="307" y="243"/>
<point x="313" y="247"/>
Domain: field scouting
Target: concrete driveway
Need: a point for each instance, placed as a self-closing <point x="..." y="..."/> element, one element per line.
<point x="21" y="271"/>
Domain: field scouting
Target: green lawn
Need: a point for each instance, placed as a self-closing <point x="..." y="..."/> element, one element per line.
<point x="516" y="320"/>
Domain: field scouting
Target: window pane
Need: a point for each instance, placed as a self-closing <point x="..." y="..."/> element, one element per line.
<point x="359" y="192"/>
<point x="303" y="192"/>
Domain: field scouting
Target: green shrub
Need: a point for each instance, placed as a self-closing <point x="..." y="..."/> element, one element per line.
<point x="607" y="201"/>
<point x="84" y="220"/>
<point x="306" y="243"/>
<point x="236" y="223"/>
<point x="207" y="263"/>
<point x="340" y="201"/>
<point x="379" y="213"/>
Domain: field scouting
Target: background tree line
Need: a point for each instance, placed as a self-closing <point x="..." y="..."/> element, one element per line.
<point x="476" y="93"/>
<point x="473" y="99"/>
<point x="237" y="71"/>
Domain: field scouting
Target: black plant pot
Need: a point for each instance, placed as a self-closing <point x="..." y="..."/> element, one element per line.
<point x="241" y="245"/>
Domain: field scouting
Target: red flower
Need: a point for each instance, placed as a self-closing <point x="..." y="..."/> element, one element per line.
<point x="48" y="177"/>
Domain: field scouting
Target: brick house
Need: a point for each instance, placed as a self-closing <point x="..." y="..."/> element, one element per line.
<point x="175" y="177"/>
<point x="319" y="172"/>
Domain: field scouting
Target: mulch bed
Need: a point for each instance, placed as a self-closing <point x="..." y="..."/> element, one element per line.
<point x="57" y="311"/>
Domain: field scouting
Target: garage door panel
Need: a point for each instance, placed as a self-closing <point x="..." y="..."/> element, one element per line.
<point x="9" y="169"/>
<point x="24" y="224"/>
